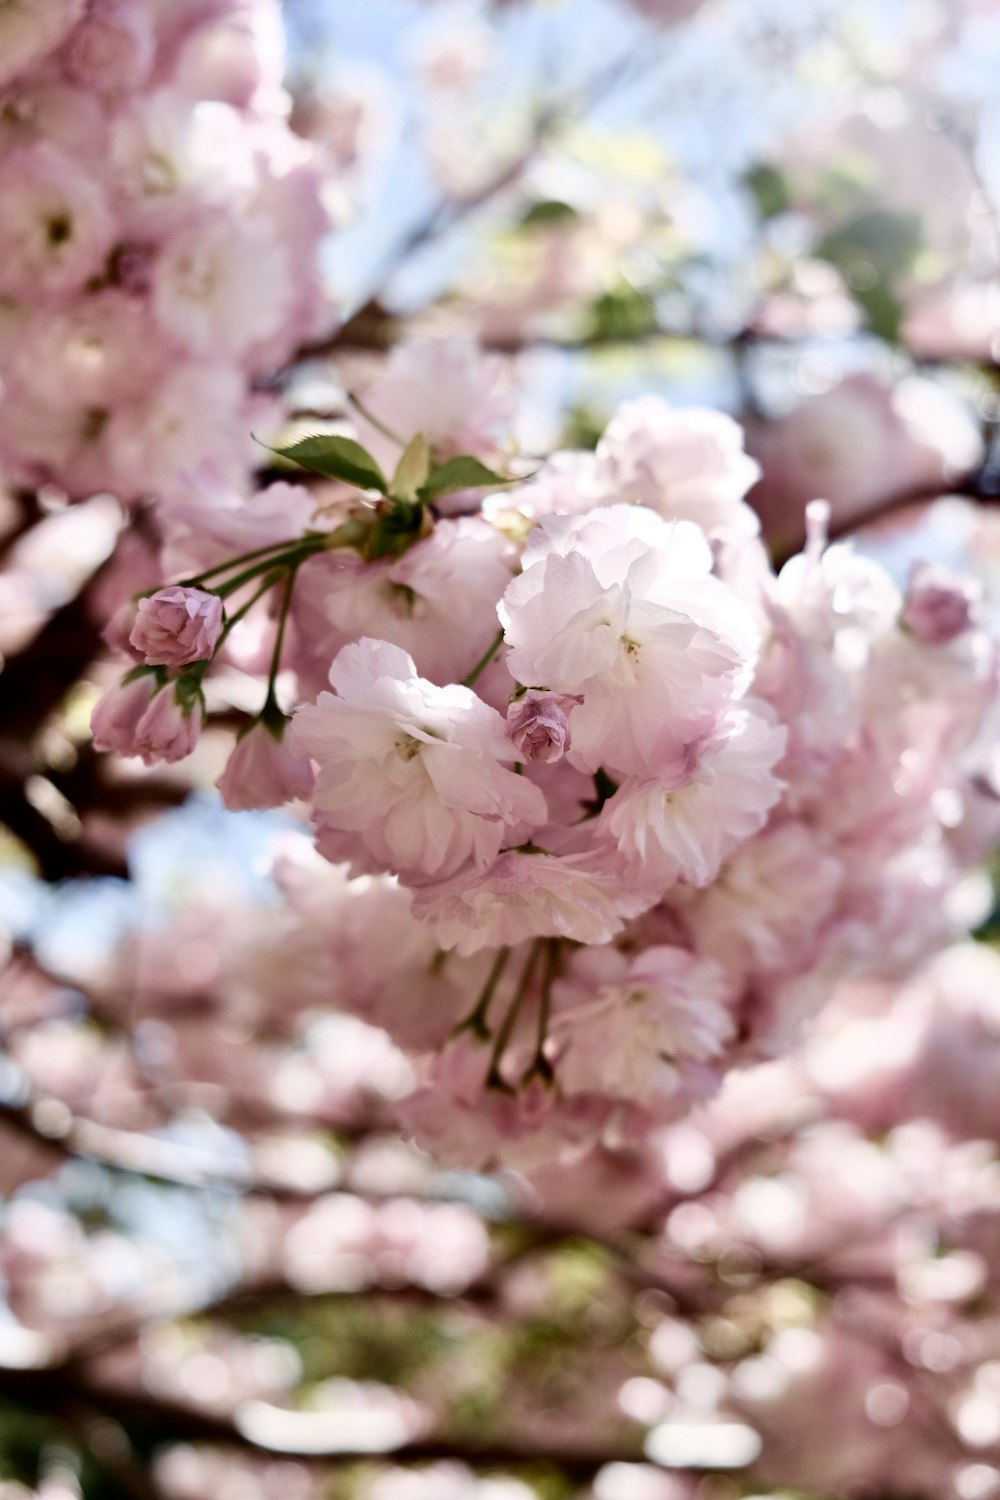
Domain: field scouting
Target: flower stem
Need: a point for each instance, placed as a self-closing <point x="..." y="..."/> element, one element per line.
<point x="234" y="562"/>
<point x="475" y="1021"/>
<point x="485" y="660"/>
<point x="374" y="421"/>
<point x="540" y="1065"/>
<point x="244" y="609"/>
<point x="197" y="672"/>
<point x="271" y="702"/>
<point x="494" y="1078"/>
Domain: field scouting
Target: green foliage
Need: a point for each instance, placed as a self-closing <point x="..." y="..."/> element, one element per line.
<point x="623" y="312"/>
<point x="460" y="473"/>
<point x="187" y="689"/>
<point x="397" y="526"/>
<point x="364" y="1338"/>
<point x="33" y="1445"/>
<point x="874" y="251"/>
<point x="548" y="211"/>
<point x="401" y="520"/>
<point x="583" y="428"/>
<point x="579" y="1272"/>
<point x="412" y="469"/>
<point x="989" y="931"/>
<point x="23" y="1436"/>
<point x="769" y="189"/>
<point x="342" y="458"/>
<point x="337" y="458"/>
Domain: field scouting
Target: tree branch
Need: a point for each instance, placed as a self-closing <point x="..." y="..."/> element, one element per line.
<point x="978" y="485"/>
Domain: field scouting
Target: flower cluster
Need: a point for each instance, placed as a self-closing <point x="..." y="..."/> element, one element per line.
<point x="609" y="806"/>
<point x="158" y="239"/>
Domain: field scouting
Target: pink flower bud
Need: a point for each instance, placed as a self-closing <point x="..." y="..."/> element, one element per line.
<point x="264" y="771"/>
<point x="117" y="715"/>
<point x="538" y="723"/>
<point x="167" y="730"/>
<point x="176" y="626"/>
<point x="940" y="605"/>
<point x="118" y="631"/>
<point x="132" y="268"/>
<point x="535" y="1098"/>
<point x="112" y="48"/>
<point x="461" y="1067"/>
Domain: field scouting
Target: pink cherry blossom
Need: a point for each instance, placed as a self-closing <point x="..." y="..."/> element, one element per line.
<point x="746" y="920"/>
<point x="680" y="821"/>
<point x="579" y="950"/>
<point x="566" y="484"/>
<point x="840" y="444"/>
<point x="157" y="244"/>
<point x="197" y="414"/>
<point x="57" y="227"/>
<point x="649" y="914"/>
<point x="827" y="591"/>
<point x="413" y="771"/>
<point x="211" y="521"/>
<point x="500" y="1126"/>
<point x="682" y="463"/>
<point x="607" y="606"/>
<point x="206" y="286"/>
<point x="29" y="33"/>
<point x="458" y="572"/>
<point x="93" y="353"/>
<point x="642" y="1034"/>
<point x="526" y="895"/>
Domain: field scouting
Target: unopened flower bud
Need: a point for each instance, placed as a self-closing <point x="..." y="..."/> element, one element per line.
<point x="538" y="724"/>
<point x="462" y="1066"/>
<point x="132" y="269"/>
<point x="940" y="604"/>
<point x="177" y="626"/>
<point x="536" y="1098"/>
<point x="169" y="729"/>
<point x="112" y="48"/>
<point x="264" y="771"/>
<point x="116" y="716"/>
<point x="117" y="632"/>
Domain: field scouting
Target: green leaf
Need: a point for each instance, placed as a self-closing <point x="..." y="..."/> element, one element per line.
<point x="461" y="473"/>
<point x="412" y="469"/>
<point x="548" y="211"/>
<point x="337" y="458"/>
<point x="584" y="427"/>
<point x="874" y="251"/>
<point x="887" y="241"/>
<point x="187" y="689"/>
<point x="769" y="189"/>
<point x="884" y="310"/>
<point x="622" y="313"/>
